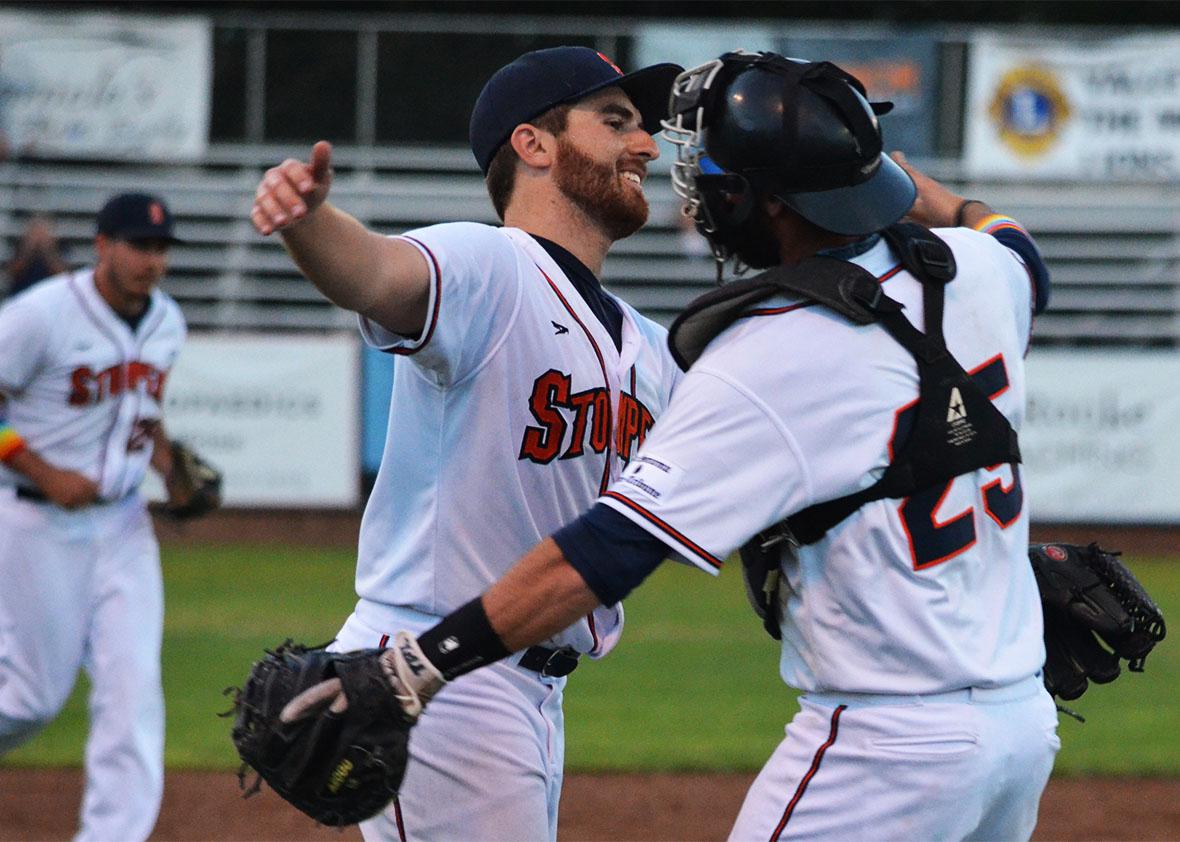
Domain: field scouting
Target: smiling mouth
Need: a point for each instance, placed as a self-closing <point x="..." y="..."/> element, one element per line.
<point x="634" y="178"/>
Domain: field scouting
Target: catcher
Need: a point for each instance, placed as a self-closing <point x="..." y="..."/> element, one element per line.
<point x="329" y="731"/>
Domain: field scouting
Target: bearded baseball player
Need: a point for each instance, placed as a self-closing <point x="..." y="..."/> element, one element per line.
<point x="850" y="421"/>
<point x="521" y="390"/>
<point x="84" y="357"/>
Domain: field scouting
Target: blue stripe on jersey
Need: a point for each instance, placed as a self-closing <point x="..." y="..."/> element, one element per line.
<point x="1020" y="242"/>
<point x="610" y="552"/>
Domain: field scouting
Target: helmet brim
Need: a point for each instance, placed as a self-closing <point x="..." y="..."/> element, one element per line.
<point x="862" y="208"/>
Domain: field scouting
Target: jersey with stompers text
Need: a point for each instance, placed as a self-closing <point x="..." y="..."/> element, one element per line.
<point x="510" y="414"/>
<point x="81" y="388"/>
<point x="794" y="405"/>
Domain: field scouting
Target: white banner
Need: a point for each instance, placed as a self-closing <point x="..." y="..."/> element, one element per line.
<point x="1100" y="442"/>
<point x="278" y="415"/>
<point x="80" y="85"/>
<point x="1086" y="110"/>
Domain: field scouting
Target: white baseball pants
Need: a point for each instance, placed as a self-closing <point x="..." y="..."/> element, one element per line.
<point x="486" y="756"/>
<point x="970" y="764"/>
<point x="83" y="590"/>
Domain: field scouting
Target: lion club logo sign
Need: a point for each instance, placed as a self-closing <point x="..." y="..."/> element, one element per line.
<point x="156" y="213"/>
<point x="1029" y="109"/>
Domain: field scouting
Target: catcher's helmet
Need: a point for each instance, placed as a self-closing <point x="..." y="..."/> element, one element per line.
<point x="755" y="124"/>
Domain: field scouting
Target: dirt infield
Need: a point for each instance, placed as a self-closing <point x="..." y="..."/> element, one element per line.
<point x="42" y="805"/>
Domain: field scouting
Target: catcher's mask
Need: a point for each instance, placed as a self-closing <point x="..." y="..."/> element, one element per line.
<point x="754" y="124"/>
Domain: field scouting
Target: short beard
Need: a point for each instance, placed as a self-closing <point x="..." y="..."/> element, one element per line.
<point x="595" y="189"/>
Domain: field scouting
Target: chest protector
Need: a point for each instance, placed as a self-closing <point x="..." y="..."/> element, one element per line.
<point x="957" y="429"/>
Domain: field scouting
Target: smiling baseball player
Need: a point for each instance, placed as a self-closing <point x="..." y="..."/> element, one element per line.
<point x="853" y="410"/>
<point x="84" y="357"/>
<point x="521" y="390"/>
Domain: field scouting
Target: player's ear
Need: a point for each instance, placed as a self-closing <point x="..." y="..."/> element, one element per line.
<point x="535" y="147"/>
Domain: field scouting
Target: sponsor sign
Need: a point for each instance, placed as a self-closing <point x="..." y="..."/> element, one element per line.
<point x="1080" y="110"/>
<point x="278" y="415"/>
<point x="76" y="85"/>
<point x="1099" y="441"/>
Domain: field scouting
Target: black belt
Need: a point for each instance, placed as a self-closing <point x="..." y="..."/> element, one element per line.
<point x="33" y="495"/>
<point x="551" y="662"/>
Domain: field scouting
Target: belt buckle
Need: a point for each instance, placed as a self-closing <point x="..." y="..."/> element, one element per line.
<point x="558" y="655"/>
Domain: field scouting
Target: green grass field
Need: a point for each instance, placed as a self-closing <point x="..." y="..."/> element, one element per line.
<point x="694" y="684"/>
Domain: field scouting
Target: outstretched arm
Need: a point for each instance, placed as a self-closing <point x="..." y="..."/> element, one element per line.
<point x="387" y="280"/>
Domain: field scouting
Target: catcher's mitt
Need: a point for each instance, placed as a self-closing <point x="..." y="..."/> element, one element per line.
<point x="194" y="486"/>
<point x="1088" y="595"/>
<point x="325" y="729"/>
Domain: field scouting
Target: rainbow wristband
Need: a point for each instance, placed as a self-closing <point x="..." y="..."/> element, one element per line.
<point x="997" y="221"/>
<point x="10" y="443"/>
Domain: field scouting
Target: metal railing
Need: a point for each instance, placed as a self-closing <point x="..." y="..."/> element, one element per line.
<point x="1114" y="250"/>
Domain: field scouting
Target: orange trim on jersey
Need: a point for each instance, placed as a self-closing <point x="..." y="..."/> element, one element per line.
<point x="985" y="364"/>
<point x="969" y="511"/>
<point x="664" y="527"/>
<point x="437" y="280"/>
<point x="1005" y="489"/>
<point x="10" y="443"/>
<point x="815" y="762"/>
<point x="786" y="308"/>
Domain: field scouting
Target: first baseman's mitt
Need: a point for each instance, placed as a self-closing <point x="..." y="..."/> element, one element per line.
<point x="1089" y="596"/>
<point x="194" y="486"/>
<point x="329" y="731"/>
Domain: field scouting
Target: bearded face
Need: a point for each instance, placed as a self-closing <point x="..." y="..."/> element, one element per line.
<point x="600" y="191"/>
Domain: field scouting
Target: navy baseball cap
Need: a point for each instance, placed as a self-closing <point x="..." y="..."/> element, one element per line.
<point x="136" y="216"/>
<point x="539" y="80"/>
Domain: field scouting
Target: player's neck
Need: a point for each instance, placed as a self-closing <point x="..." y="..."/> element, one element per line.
<point x="556" y="218"/>
<point x="127" y="306"/>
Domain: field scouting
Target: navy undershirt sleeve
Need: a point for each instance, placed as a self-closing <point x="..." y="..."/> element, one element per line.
<point x="1023" y="245"/>
<point x="610" y="552"/>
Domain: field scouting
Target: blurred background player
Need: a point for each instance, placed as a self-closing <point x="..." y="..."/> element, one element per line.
<point x="84" y="357"/>
<point x="522" y="389"/>
<point x="37" y="256"/>
<point x="910" y="621"/>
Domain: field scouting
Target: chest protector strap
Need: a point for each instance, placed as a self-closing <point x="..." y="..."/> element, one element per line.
<point x="956" y="429"/>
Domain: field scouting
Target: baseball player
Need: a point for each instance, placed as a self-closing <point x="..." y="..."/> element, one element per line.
<point x="84" y="357"/>
<point x="879" y="473"/>
<point x="521" y="390"/>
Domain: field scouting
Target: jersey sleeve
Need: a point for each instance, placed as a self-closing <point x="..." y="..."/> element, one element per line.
<point x="1009" y="233"/>
<point x="716" y="468"/>
<point x="474" y="290"/>
<point x="24" y="337"/>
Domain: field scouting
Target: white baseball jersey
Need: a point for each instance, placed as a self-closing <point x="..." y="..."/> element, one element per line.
<point x="795" y="406"/>
<point x="82" y="389"/>
<point x="83" y="588"/>
<point x="510" y="414"/>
